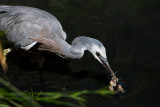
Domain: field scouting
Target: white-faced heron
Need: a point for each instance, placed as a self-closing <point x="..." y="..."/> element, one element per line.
<point x="27" y="26"/>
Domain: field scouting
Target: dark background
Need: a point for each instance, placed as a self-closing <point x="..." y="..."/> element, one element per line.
<point x="129" y="29"/>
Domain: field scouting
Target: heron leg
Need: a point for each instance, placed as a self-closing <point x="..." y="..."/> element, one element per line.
<point x="41" y="63"/>
<point x="41" y="69"/>
<point x="3" y="59"/>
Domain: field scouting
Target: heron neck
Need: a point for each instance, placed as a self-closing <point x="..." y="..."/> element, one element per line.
<point x="75" y="51"/>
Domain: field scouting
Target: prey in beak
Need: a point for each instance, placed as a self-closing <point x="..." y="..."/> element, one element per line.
<point x="114" y="83"/>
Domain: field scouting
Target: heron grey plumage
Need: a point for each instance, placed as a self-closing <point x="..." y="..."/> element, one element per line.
<point x="26" y="26"/>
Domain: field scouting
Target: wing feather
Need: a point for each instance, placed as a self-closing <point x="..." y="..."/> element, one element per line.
<point x="21" y="23"/>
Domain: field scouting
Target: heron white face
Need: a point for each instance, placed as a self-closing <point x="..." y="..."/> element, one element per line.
<point x="101" y="50"/>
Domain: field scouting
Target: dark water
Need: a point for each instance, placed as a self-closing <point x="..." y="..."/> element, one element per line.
<point x="58" y="74"/>
<point x="128" y="29"/>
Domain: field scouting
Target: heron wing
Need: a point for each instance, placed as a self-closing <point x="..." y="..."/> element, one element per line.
<point x="48" y="44"/>
<point x="21" y="23"/>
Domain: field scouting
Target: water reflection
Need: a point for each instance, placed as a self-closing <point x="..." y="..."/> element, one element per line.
<point x="24" y="73"/>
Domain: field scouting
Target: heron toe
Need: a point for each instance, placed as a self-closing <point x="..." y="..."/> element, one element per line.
<point x="6" y="51"/>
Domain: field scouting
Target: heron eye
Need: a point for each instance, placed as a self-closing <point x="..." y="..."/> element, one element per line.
<point x="97" y="53"/>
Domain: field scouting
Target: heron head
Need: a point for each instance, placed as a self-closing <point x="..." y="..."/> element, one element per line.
<point x="95" y="47"/>
<point x="99" y="52"/>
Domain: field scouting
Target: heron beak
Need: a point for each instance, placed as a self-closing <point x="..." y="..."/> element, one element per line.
<point x="106" y="65"/>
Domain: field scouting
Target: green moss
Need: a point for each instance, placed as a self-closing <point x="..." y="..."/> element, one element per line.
<point x="2" y="33"/>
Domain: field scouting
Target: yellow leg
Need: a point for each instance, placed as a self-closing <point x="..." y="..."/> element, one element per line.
<point x="3" y="57"/>
<point x="3" y="61"/>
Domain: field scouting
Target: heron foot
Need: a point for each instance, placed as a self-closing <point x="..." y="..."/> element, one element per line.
<point x="6" y="51"/>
